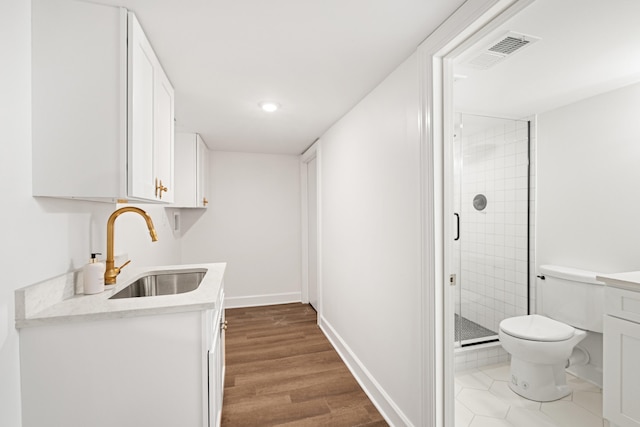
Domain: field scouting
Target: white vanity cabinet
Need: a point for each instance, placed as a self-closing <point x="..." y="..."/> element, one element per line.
<point x="216" y="369"/>
<point x="161" y="370"/>
<point x="191" y="171"/>
<point x="103" y="107"/>
<point x="621" y="376"/>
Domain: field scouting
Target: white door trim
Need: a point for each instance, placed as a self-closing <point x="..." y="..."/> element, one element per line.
<point x="435" y="67"/>
<point x="310" y="154"/>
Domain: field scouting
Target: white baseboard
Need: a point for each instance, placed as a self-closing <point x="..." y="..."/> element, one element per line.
<point x="387" y="408"/>
<point x="258" y="300"/>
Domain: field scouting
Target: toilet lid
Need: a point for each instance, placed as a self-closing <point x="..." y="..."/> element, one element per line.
<point x="536" y="328"/>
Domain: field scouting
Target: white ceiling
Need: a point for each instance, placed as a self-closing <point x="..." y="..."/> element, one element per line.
<point x="587" y="47"/>
<point x="316" y="58"/>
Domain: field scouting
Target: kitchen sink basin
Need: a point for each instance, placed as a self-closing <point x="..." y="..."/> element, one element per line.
<point x="162" y="284"/>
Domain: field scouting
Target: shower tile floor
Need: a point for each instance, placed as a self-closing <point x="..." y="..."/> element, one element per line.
<point x="466" y="329"/>
<point x="484" y="399"/>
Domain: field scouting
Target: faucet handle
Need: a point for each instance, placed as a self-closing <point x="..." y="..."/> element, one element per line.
<point x="123" y="265"/>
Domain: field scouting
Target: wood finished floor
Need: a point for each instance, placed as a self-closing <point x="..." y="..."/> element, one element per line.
<point x="282" y="371"/>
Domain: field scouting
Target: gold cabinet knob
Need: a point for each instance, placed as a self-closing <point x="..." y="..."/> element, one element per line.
<point x="205" y="202"/>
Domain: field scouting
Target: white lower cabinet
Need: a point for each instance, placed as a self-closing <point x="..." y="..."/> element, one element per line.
<point x="216" y="371"/>
<point x="621" y="382"/>
<point x="154" y="370"/>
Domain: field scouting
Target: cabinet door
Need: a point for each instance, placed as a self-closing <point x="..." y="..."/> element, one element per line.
<point x="621" y="376"/>
<point x="216" y="374"/>
<point x="202" y="181"/>
<point x="164" y="136"/>
<point x="223" y="351"/>
<point x="78" y="100"/>
<point x="185" y="155"/>
<point x="142" y="65"/>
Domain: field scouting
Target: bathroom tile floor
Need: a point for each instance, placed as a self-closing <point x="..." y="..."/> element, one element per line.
<point x="484" y="399"/>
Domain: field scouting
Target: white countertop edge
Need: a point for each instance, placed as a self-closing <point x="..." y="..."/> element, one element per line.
<point x="99" y="306"/>
<point x="629" y="280"/>
<point x="121" y="314"/>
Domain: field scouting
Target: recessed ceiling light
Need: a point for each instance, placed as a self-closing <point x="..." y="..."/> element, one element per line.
<point x="269" y="106"/>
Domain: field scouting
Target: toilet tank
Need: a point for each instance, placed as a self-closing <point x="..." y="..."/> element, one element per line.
<point x="572" y="296"/>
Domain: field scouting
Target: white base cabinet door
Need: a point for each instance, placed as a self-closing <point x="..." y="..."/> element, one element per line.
<point x="129" y="372"/>
<point x="621" y="388"/>
<point x="217" y="371"/>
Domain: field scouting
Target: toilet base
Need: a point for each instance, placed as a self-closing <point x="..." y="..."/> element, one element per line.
<point x="537" y="382"/>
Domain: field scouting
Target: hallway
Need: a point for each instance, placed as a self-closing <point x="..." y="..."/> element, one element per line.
<point x="282" y="371"/>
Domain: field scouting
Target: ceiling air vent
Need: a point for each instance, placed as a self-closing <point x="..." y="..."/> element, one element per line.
<point x="500" y="49"/>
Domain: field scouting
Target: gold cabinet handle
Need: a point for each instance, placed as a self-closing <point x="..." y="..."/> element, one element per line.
<point x="205" y="202"/>
<point x="160" y="188"/>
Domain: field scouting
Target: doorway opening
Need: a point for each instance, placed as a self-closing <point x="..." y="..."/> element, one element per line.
<point x="310" y="181"/>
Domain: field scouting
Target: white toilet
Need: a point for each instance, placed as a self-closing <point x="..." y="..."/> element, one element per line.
<point x="572" y="303"/>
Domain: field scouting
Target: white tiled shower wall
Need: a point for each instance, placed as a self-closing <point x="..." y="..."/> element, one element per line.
<point x="493" y="250"/>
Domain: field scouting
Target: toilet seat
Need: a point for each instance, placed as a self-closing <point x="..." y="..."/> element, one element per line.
<point x="537" y="328"/>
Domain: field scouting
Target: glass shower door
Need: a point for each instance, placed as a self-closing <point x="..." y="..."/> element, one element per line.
<point x="491" y="201"/>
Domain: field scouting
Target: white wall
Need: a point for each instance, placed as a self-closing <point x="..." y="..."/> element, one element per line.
<point x="370" y="232"/>
<point x="14" y="155"/>
<point x="253" y="223"/>
<point x="42" y="238"/>
<point x="589" y="183"/>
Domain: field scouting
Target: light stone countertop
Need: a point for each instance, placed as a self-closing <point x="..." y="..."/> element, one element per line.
<point x="55" y="301"/>
<point x="629" y="280"/>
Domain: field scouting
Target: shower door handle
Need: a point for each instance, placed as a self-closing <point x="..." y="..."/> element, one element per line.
<point x="457" y="226"/>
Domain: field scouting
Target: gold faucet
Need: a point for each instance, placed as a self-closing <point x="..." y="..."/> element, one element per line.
<point x="112" y="271"/>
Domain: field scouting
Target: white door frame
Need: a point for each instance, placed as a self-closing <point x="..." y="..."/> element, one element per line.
<point x="473" y="20"/>
<point x="311" y="153"/>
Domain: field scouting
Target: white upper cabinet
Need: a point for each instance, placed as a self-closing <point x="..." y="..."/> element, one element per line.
<point x="202" y="181"/>
<point x="151" y="125"/>
<point x="164" y="137"/>
<point x="103" y="108"/>
<point x="192" y="171"/>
